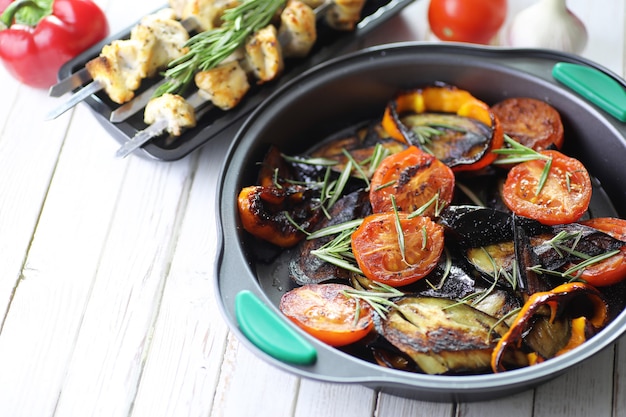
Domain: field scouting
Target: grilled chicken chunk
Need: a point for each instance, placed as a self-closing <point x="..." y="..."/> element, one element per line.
<point x="169" y="38"/>
<point x="173" y="108"/>
<point x="344" y="14"/>
<point x="206" y="13"/>
<point x="314" y="3"/>
<point x="298" y="31"/>
<point x="122" y="64"/>
<point x="224" y="85"/>
<point x="264" y="54"/>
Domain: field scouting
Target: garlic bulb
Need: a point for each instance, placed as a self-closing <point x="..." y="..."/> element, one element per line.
<point x="548" y="24"/>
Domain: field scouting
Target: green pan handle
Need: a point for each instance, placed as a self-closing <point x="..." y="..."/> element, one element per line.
<point x="596" y="86"/>
<point x="269" y="332"/>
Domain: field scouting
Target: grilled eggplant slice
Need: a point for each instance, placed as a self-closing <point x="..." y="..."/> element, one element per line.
<point x="444" y="336"/>
<point x="306" y="268"/>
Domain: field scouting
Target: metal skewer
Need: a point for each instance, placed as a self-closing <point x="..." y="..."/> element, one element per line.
<point x="70" y="83"/>
<point x="79" y="96"/>
<point x="139" y="102"/>
<point x="82" y="76"/>
<point x="158" y="127"/>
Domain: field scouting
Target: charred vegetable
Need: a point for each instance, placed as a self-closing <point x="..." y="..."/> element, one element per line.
<point x="471" y="133"/>
<point x="565" y="301"/>
<point x="328" y="312"/>
<point x="444" y="336"/>
<point x="307" y="267"/>
<point x="277" y="215"/>
<point x="452" y="288"/>
<point x="396" y="249"/>
<point x="415" y="179"/>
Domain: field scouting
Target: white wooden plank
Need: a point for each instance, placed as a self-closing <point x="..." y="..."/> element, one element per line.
<point x="393" y="406"/>
<point x="324" y="399"/>
<point x="29" y="148"/>
<point x="518" y="405"/>
<point x="584" y="391"/>
<point x="250" y="387"/>
<point x="619" y="396"/>
<point x="109" y="352"/>
<point x="183" y="364"/>
<point x="40" y="329"/>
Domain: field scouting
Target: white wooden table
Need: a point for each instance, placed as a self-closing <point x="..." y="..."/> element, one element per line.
<point x="106" y="269"/>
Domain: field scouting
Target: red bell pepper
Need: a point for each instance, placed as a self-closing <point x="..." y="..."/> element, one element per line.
<point x="38" y="36"/>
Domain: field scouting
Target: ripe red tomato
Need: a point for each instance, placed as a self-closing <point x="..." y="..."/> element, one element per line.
<point x="376" y="247"/>
<point x="475" y="21"/>
<point x="325" y="312"/>
<point x="564" y="197"/>
<point x="612" y="270"/>
<point x="413" y="177"/>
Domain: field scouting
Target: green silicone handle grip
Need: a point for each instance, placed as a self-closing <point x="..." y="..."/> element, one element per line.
<point x="596" y="86"/>
<point x="269" y="332"/>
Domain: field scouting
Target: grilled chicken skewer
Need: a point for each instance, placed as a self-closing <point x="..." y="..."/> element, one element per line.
<point x="224" y="86"/>
<point x="297" y="34"/>
<point x="206" y="14"/>
<point x="123" y="64"/>
<point x="199" y="15"/>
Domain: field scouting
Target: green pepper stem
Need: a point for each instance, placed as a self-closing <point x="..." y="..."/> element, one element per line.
<point x="27" y="12"/>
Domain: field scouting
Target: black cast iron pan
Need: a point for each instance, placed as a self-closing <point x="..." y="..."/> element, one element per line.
<point x="356" y="87"/>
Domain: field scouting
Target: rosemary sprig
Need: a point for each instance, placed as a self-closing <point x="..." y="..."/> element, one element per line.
<point x="380" y="153"/>
<point x="588" y="262"/>
<point x="378" y="297"/>
<point x="309" y="161"/>
<point x="425" y="133"/>
<point x="577" y="269"/>
<point x="470" y="194"/>
<point x="336" y="189"/>
<point x="338" y="251"/>
<point x="557" y="243"/>
<point x="208" y="49"/>
<point x="503" y="319"/>
<point x="516" y="153"/>
<point x="433" y="200"/>
<point x="446" y="272"/>
<point x="399" y="231"/>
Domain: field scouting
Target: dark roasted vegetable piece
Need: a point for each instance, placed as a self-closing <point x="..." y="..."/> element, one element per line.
<point x="277" y="169"/>
<point x="554" y="249"/>
<point x="444" y="336"/>
<point x="442" y="98"/>
<point x="361" y="143"/>
<point x="531" y="122"/>
<point x="474" y="226"/>
<point x="565" y="301"/>
<point x="269" y="213"/>
<point x="450" y="138"/>
<point x="305" y="268"/>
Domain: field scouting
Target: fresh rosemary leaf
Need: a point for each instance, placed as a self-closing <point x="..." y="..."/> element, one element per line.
<point x="208" y="49"/>
<point x="336" y="229"/>
<point x="310" y="161"/>
<point x="398" y="226"/>
<point x="516" y="153"/>
<point x="591" y="261"/>
<point x="336" y="261"/>
<point x="340" y="185"/>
